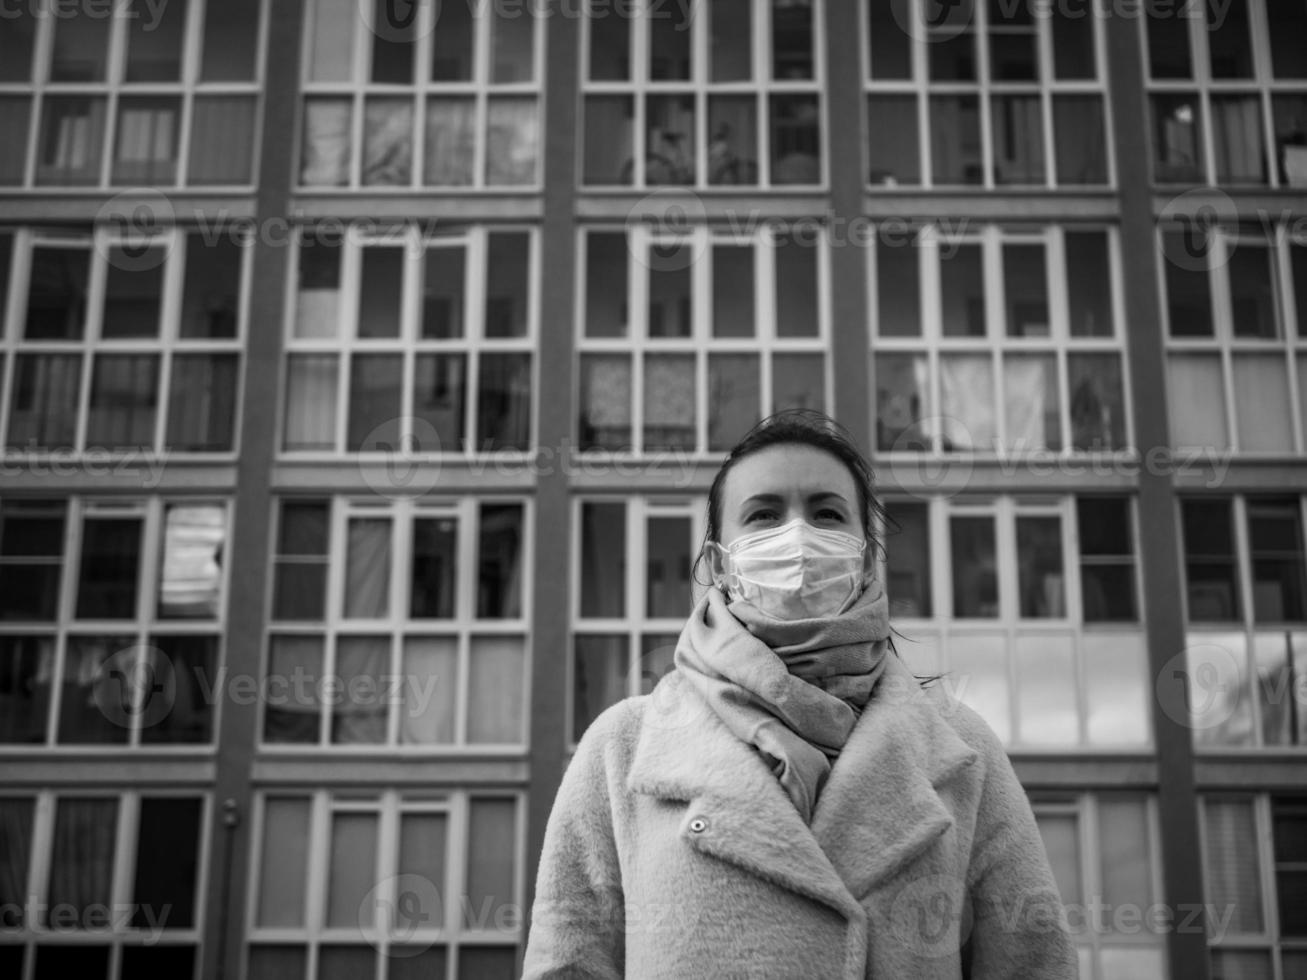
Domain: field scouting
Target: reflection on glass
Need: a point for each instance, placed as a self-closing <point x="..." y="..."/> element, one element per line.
<point x="1216" y="676"/>
<point x="495" y="714"/>
<point x="1272" y="656"/>
<point x="669" y="147"/>
<point x="1117" y="689"/>
<point x="978" y="666"/>
<point x="512" y="141"/>
<point x="732" y="139"/>
<point x="387" y="142"/>
<point x="967" y="402"/>
<point x="1032" y="402"/>
<point x="1276" y="545"/>
<point x="449" y="141"/>
<point x="324" y="157"/>
<point x="1097" y="394"/>
<point x="1046" y="691"/>
<point x="605" y="401"/>
<point x="89" y="706"/>
<point x="1211" y="570"/>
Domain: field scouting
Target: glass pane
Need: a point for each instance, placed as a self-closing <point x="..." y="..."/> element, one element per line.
<point x="962" y="289"/>
<point x="277" y="962"/>
<point x="894" y="153"/>
<point x="1040" y="572"/>
<point x="669" y="139"/>
<point x="670" y="305"/>
<point x="1253" y="307"/>
<point x="898" y="289"/>
<point x="202" y="402"/>
<point x="488" y="962"/>
<point x="499" y="556"/>
<point x="798" y="381"/>
<point x="606" y="285"/>
<point x="967" y="418"/>
<point x="110" y="565"/>
<point x="31" y="553"/>
<point x="492" y="844"/>
<point x="43" y="401"/>
<point x="796" y="286"/>
<point x="1261" y="403"/>
<point x="97" y="672"/>
<point x="1073" y="43"/>
<point x="734" y="397"/>
<point x="56" y="297"/>
<point x="189" y="719"/>
<point x="352" y="869"/>
<point x="81" y="865"/>
<point x="81" y="48"/>
<point x="453" y="47"/>
<point x="733" y="139"/>
<point x="1168" y="45"/>
<point x="496" y="678"/>
<point x="1118" y="689"/>
<point x="609" y="140"/>
<point x="1216" y="676"/>
<point x="795" y="139"/>
<point x="17" y="42"/>
<point x="133" y="293"/>
<point x="145" y="151"/>
<point x="311" y="402"/>
<point x="332" y="47"/>
<point x="1025" y="288"/>
<point x="982" y="661"/>
<point x="512" y="43"/>
<point x="669" y="43"/>
<point x="610" y="41"/>
<point x="730" y="52"/>
<point x="1107" y="573"/>
<point x="1081" y="139"/>
<point x="599" y="678"/>
<point x="792" y="39"/>
<point x="955" y="139"/>
<point x="158" y="961"/>
<point x="504" y="402"/>
<point x="358" y="714"/>
<point x="1104" y="527"/>
<point x="890" y="44"/>
<point x="1177" y="157"/>
<point x="367" y="571"/>
<point x="346" y="962"/>
<point x="603" y="559"/>
<point x="190" y="572"/>
<point x="1133" y="963"/>
<point x="375" y="387"/>
<point x="154" y="41"/>
<point x="394" y="32"/>
<point x="299" y="589"/>
<point x="669" y="402"/>
<point x="605" y="421"/>
<point x="430" y="710"/>
<point x="1089" y="284"/>
<point x="327" y="139"/>
<point x="1127" y="866"/>
<point x="449" y="140"/>
<point x="443" y="292"/>
<point x="951" y="46"/>
<point x="423" y="847"/>
<point x="667" y="567"/>
<point x="1229" y="41"/>
<point x="1018" y="139"/>
<point x="381" y="291"/>
<point x="1232" y="964"/>
<point x="656" y="659"/>
<point x="26" y="671"/>
<point x="1097" y="399"/>
<point x="975" y="567"/>
<point x="1237" y="140"/>
<point x="507" y="276"/>
<point x="732" y="291"/>
<point x="1197" y="415"/>
<point x="908" y="546"/>
<point x="164" y="891"/>
<point x="439" y="396"/>
<point x="231" y="35"/>
<point x="387" y="141"/>
<point x="1288" y="22"/>
<point x="1276" y="544"/>
<point x="72" y="139"/>
<point x="211" y="293"/>
<point x="1291" y="139"/>
<point x="1272" y="657"/>
<point x="291" y="709"/>
<point x="1061" y="836"/>
<point x="1046" y="691"/>
<point x="1210" y="559"/>
<point x="512" y="141"/>
<point x="318" y="298"/>
<point x="15" y="115"/>
<point x="1031" y="402"/>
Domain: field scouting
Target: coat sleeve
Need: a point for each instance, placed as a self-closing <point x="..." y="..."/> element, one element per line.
<point x="1018" y="923"/>
<point x="577" y="918"/>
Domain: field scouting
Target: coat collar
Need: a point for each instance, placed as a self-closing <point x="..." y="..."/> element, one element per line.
<point x="877" y="811"/>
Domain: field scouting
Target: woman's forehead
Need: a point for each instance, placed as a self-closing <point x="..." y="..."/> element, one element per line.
<point x="785" y="469"/>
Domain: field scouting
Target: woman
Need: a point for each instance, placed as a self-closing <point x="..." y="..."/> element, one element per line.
<point x="790" y="801"/>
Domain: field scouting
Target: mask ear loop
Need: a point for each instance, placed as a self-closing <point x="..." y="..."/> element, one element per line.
<point x="721" y="583"/>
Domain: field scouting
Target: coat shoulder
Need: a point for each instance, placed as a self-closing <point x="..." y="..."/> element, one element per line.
<point x="968" y="725"/>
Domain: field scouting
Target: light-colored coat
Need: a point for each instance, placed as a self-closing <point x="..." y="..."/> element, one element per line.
<point x="673" y="852"/>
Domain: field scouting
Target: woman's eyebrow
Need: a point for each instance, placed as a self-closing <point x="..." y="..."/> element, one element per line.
<point x="762" y="498"/>
<point x="824" y="495"/>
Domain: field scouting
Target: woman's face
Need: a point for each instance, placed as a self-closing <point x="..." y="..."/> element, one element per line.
<point x="775" y="485"/>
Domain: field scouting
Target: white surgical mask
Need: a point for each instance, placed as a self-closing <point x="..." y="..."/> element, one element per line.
<point x="795" y="571"/>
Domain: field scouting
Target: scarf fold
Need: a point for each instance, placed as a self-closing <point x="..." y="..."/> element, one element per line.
<point x="793" y="689"/>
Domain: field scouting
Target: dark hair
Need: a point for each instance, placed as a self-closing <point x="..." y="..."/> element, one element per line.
<point x="802" y="427"/>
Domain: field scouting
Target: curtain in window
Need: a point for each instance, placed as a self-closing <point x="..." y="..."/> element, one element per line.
<point x="72" y="140"/>
<point x="367" y="575"/>
<point x="1197" y="401"/>
<point x="360" y="717"/>
<point x="15" y="849"/>
<point x="1097" y="400"/>
<point x="1031" y="403"/>
<point x="902" y="393"/>
<point x="202" y="404"/>
<point x="967" y="402"/>
<point x="147" y="141"/>
<point x="311" y="402"/>
<point x="669" y="401"/>
<point x="1237" y="138"/>
<point x="43" y="414"/>
<point x="1233" y="873"/>
<point x="1018" y="140"/>
<point x="326" y="151"/>
<point x="495" y="681"/>
<point x="430" y="691"/>
<point x="190" y="581"/>
<point x="1262" y="407"/>
<point x="292" y="711"/>
<point x="449" y="142"/>
<point x="512" y="141"/>
<point x="222" y="140"/>
<point x="124" y="395"/>
<point x="388" y="142"/>
<point x="81" y="872"/>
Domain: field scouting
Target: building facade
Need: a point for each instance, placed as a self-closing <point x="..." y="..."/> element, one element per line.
<point x="364" y="365"/>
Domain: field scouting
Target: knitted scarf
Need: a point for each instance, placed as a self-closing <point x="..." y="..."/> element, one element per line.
<point x="793" y="689"/>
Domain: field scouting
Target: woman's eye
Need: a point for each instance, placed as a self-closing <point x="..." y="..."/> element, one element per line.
<point x="761" y="515"/>
<point x="829" y="514"/>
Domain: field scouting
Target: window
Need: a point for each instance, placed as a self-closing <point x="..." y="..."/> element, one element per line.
<point x="686" y="342"/>
<point x="381" y="633"/>
<point x="1246" y="581"/>
<point x="110" y="619"/>
<point x="421" y="95"/>
<point x="984" y="93"/>
<point x="112" y="101"/>
<point x="727" y="94"/>
<point x="1254" y="866"/>
<point x="1007" y="600"/>
<point x="81" y="882"/>
<point x="99" y="366"/>
<point x="1228" y="100"/>
<point x="633" y="592"/>
<point x="432" y="885"/>
<point x="398" y="340"/>
<point x="1236" y="366"/>
<point x="1005" y="341"/>
<point x="1105" y="853"/>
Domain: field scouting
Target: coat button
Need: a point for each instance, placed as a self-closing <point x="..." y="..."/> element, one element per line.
<point x="698" y="825"/>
